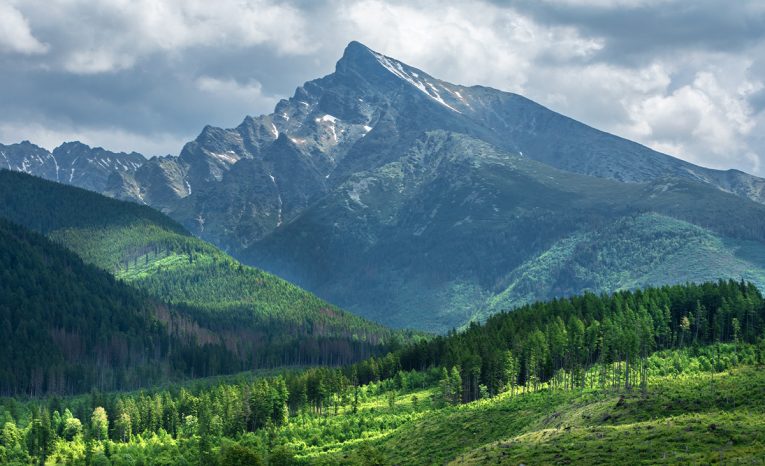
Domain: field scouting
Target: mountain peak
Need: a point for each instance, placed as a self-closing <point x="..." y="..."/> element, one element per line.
<point x="357" y="58"/>
<point x="355" y="46"/>
<point x="359" y="62"/>
<point x="70" y="145"/>
<point x="361" y="57"/>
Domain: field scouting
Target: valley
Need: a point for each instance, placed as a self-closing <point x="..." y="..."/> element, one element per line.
<point x="387" y="269"/>
<point x="226" y="316"/>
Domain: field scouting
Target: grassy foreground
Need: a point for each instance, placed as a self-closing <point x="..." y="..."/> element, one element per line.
<point x="703" y="419"/>
<point x="691" y="416"/>
<point x="703" y="405"/>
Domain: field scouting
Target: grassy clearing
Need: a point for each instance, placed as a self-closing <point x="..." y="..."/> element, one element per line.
<point x="690" y="418"/>
<point x="702" y="418"/>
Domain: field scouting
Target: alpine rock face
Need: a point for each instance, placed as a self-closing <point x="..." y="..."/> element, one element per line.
<point x="71" y="163"/>
<point x="427" y="204"/>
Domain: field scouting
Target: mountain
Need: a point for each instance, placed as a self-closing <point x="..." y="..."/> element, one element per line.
<point x="72" y="163"/>
<point x="258" y="319"/>
<point x="368" y="113"/>
<point x="426" y="204"/>
<point x="455" y="222"/>
<point x="29" y="158"/>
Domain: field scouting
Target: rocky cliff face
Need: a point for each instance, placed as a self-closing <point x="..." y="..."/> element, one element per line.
<point x="71" y="163"/>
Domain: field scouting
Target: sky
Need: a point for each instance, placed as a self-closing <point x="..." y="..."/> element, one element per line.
<point x="684" y="77"/>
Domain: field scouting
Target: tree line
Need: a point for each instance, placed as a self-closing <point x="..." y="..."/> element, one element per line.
<point x="556" y="342"/>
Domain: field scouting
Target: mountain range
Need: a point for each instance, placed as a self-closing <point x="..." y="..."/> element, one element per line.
<point x="421" y="203"/>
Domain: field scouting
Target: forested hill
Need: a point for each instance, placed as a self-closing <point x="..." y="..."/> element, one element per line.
<point x="66" y="326"/>
<point x="559" y="340"/>
<point x="46" y="206"/>
<point x="264" y="320"/>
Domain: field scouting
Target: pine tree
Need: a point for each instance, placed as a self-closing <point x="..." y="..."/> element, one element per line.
<point x="456" y="385"/>
<point x="99" y="424"/>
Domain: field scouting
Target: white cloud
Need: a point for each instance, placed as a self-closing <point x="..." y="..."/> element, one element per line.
<point x="15" y="33"/>
<point x="230" y="88"/>
<point x="467" y="43"/>
<point x="608" y="4"/>
<point x="113" y="139"/>
<point x="701" y="121"/>
<point x="115" y="35"/>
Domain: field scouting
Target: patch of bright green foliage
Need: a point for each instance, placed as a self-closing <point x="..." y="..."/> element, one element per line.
<point x="693" y="418"/>
<point x="687" y="415"/>
<point x="184" y="270"/>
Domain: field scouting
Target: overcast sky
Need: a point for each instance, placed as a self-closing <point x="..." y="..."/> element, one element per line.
<point x="683" y="77"/>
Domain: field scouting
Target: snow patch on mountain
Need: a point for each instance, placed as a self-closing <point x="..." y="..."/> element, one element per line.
<point x="331" y="122"/>
<point x="228" y="157"/>
<point x="279" y="200"/>
<point x="413" y="78"/>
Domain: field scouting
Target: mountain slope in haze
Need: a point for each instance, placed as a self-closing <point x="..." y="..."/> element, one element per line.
<point x="265" y="320"/>
<point x="454" y="223"/>
<point x="632" y="252"/>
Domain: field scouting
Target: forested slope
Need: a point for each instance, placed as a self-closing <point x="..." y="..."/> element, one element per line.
<point x="66" y="326"/>
<point x="262" y="320"/>
<point x="557" y="341"/>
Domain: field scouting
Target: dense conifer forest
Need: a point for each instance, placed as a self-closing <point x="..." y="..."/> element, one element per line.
<point x="67" y="326"/>
<point x="557" y="341"/>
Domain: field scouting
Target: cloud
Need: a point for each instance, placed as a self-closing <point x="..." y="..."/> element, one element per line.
<point x="113" y="139"/>
<point x="717" y="120"/>
<point x="682" y="77"/>
<point x="639" y="30"/>
<point x="15" y="34"/>
<point x="476" y="43"/>
<point x="231" y="89"/>
<point x="115" y="35"/>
